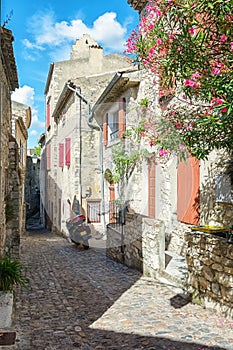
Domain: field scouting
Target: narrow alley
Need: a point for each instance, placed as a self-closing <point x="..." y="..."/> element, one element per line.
<point x="81" y="299"/>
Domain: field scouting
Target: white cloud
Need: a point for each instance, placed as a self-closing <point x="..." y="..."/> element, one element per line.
<point x="33" y="133"/>
<point x="36" y="123"/>
<point x="26" y="96"/>
<point x="30" y="45"/>
<point x="52" y="35"/>
<point x="114" y="36"/>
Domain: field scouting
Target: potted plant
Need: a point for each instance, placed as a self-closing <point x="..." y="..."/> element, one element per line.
<point x="230" y="235"/>
<point x="11" y="274"/>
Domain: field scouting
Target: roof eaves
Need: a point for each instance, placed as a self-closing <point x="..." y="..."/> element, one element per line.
<point x="138" y="4"/>
<point x="64" y="96"/>
<point x="51" y="68"/>
<point x="8" y="59"/>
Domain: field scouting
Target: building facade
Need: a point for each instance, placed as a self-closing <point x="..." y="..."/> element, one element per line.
<point x="72" y="151"/>
<point x="21" y="121"/>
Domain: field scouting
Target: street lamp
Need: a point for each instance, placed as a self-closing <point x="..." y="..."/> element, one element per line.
<point x="34" y="158"/>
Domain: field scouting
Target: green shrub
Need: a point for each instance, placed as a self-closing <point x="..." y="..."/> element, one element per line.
<point x="11" y="274"/>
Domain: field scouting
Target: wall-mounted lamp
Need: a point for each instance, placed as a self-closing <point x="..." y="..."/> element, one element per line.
<point x="34" y="158"/>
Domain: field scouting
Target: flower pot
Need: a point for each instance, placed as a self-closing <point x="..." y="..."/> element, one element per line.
<point x="229" y="237"/>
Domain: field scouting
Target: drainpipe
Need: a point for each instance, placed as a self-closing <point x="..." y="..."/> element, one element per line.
<point x="96" y="127"/>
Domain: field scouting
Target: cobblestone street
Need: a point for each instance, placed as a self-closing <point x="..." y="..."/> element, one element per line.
<point x="79" y="299"/>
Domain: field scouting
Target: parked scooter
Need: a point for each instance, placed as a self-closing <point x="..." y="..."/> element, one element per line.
<point x="79" y="231"/>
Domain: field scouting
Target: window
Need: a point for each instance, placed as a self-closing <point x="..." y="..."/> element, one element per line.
<point x="113" y="124"/>
<point x="93" y="211"/>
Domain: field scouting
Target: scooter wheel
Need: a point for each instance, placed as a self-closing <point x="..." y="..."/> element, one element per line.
<point x="85" y="245"/>
<point x="77" y="243"/>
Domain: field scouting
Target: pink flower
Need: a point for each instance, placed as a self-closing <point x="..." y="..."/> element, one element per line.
<point x="219" y="101"/>
<point x="231" y="45"/>
<point x="159" y="41"/>
<point x="223" y="37"/>
<point x="163" y="152"/>
<point x="181" y="147"/>
<point x="151" y="52"/>
<point x="158" y="13"/>
<point x="218" y="64"/>
<point x="151" y="143"/>
<point x="161" y="93"/>
<point x="216" y="70"/>
<point x="191" y="31"/>
<point x="189" y="127"/>
<point x="189" y="83"/>
<point x="195" y="75"/>
<point x="224" y="110"/>
<point x="178" y="125"/>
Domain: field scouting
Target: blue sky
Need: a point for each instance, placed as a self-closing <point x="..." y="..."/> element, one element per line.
<point x="44" y="33"/>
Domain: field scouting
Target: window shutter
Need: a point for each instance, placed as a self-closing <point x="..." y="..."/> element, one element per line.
<point x="121" y="114"/>
<point x="105" y="129"/>
<point x="151" y="189"/>
<point x="61" y="155"/>
<point x="68" y="141"/>
<point x="47" y="115"/>
<point x="188" y="188"/>
<point x="48" y="156"/>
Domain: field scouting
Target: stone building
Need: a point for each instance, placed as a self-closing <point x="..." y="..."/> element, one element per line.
<point x="9" y="82"/>
<point x="72" y="151"/>
<point x="32" y="193"/>
<point x="185" y="195"/>
<point x="21" y="121"/>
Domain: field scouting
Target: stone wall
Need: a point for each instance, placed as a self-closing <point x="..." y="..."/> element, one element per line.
<point x="5" y="126"/>
<point x="210" y="265"/>
<point x="139" y="246"/>
<point x="8" y="83"/>
<point x="14" y="220"/>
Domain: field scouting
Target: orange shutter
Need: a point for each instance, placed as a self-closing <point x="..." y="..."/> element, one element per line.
<point x="151" y="190"/>
<point x="188" y="188"/>
<point x="47" y="115"/>
<point x="121" y="115"/>
<point x="112" y="211"/>
<point x="105" y="129"/>
<point x="48" y="156"/>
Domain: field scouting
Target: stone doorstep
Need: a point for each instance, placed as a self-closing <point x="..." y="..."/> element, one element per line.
<point x="7" y="335"/>
<point x="176" y="269"/>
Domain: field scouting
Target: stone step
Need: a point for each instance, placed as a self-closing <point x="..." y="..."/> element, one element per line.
<point x="176" y="269"/>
